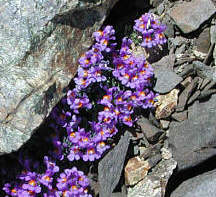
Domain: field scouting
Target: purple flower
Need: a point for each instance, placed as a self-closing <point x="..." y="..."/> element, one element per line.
<point x="102" y="147"/>
<point x="91" y="154"/>
<point x="74" y="154"/>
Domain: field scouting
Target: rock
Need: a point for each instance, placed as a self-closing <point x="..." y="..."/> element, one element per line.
<point x="188" y="16"/>
<point x="155" y="3"/>
<point x="166" y="62"/>
<point x="184" y="96"/>
<point x="166" y="80"/>
<point x="169" y="32"/>
<point x="187" y="81"/>
<point x="201" y="185"/>
<point x="164" y="124"/>
<point x="193" y="140"/>
<point x="135" y="170"/>
<point x="110" y="167"/>
<point x="180" y="50"/>
<point x="180" y="116"/>
<point x="154" y="184"/>
<point x="151" y="132"/>
<point x="40" y="44"/>
<point x="166" y="104"/>
<point x="213" y="33"/>
<point x="202" y="43"/>
<point x="205" y="72"/>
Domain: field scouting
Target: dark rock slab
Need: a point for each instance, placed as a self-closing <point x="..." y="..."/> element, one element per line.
<point x="193" y="140"/>
<point x="41" y="42"/>
<point x="166" y="62"/>
<point x="202" y="43"/>
<point x="188" y="16"/>
<point x="200" y="186"/>
<point x="166" y="80"/>
<point x="111" y="166"/>
<point x="151" y="132"/>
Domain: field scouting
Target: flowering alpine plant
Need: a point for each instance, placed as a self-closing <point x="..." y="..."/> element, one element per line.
<point x="111" y="83"/>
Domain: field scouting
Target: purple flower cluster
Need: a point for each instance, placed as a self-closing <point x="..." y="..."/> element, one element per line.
<point x="151" y="30"/>
<point x="92" y="63"/>
<point x="70" y="183"/>
<point x="110" y="84"/>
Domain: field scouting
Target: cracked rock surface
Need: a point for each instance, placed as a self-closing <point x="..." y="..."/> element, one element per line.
<point x="40" y="44"/>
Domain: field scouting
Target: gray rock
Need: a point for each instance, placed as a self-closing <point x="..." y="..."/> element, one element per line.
<point x="202" y="43"/>
<point x="40" y="44"/>
<point x="151" y="132"/>
<point x="201" y="186"/>
<point x="188" y="16"/>
<point x="166" y="62"/>
<point x="111" y="166"/>
<point x="166" y="80"/>
<point x="169" y="32"/>
<point x="193" y="140"/>
<point x="204" y="71"/>
<point x="154" y="184"/>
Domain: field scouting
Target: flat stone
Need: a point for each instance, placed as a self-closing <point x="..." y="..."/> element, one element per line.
<point x="166" y="104"/>
<point x="135" y="170"/>
<point x="166" y="62"/>
<point x="201" y="185"/>
<point x="202" y="43"/>
<point x="41" y="42"/>
<point x="111" y="165"/>
<point x="188" y="16"/>
<point x="166" y="80"/>
<point x="193" y="140"/>
<point x="151" y="132"/>
<point x="180" y="116"/>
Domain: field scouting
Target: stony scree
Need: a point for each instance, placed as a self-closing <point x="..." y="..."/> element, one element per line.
<point x="193" y="140"/>
<point x="111" y="166"/>
<point x="201" y="185"/>
<point x="40" y="44"/>
<point x="188" y="16"/>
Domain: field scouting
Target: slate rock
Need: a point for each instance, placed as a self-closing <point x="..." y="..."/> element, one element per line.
<point x="201" y="186"/>
<point x="166" y="80"/>
<point x="41" y="42"/>
<point x="188" y="16"/>
<point x="151" y="132"/>
<point x="193" y="141"/>
<point x="202" y="43"/>
<point x="111" y="166"/>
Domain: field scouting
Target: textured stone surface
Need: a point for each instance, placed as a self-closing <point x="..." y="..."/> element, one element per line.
<point x="154" y="184"/>
<point x="111" y="166"/>
<point x="135" y="170"/>
<point x="166" y="80"/>
<point x="40" y="44"/>
<point x="201" y="186"/>
<point x="166" y="104"/>
<point x="188" y="16"/>
<point x="193" y="140"/>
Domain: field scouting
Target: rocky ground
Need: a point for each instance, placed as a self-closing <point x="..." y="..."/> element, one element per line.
<point x="172" y="153"/>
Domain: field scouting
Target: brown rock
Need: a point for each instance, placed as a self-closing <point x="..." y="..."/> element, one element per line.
<point x="135" y="170"/>
<point x="166" y="104"/>
<point x="188" y="16"/>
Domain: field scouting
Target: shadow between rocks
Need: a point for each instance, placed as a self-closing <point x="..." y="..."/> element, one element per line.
<point x="179" y="177"/>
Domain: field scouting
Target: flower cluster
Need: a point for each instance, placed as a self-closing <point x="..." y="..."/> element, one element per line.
<point x="110" y="84"/>
<point x="70" y="183"/>
<point x="151" y="30"/>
